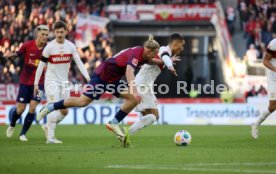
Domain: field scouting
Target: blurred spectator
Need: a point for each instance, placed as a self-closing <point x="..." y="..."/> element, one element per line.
<point x="262" y="91"/>
<point x="230" y="18"/>
<point x="252" y="92"/>
<point x="251" y="55"/>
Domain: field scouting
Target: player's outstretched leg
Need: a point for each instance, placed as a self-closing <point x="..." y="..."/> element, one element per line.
<point x="63" y="104"/>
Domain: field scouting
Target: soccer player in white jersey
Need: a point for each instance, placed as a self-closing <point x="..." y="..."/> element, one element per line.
<point x="269" y="62"/>
<point x="58" y="55"/>
<point x="144" y="81"/>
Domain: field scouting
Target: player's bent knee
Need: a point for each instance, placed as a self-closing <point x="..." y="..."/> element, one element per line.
<point x="20" y="109"/>
<point x="64" y="111"/>
<point x="32" y="108"/>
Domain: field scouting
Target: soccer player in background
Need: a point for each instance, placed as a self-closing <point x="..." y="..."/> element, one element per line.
<point x="31" y="52"/>
<point x="145" y="80"/>
<point x="107" y="77"/>
<point x="269" y="62"/>
<point x="58" y="55"/>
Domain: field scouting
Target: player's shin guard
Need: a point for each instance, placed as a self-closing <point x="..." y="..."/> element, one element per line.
<point x="14" y="118"/>
<point x="59" y="105"/>
<point x="143" y="122"/>
<point x="120" y="115"/>
<point x="27" y="123"/>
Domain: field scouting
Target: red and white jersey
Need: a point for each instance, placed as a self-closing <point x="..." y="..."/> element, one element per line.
<point x="148" y="73"/>
<point x="59" y="60"/>
<point x="271" y="49"/>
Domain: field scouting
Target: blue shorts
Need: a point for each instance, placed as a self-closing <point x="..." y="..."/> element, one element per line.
<point x="26" y="93"/>
<point x="96" y="87"/>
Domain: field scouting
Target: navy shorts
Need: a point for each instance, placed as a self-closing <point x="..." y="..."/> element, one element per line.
<point x="26" y="93"/>
<point x="96" y="87"/>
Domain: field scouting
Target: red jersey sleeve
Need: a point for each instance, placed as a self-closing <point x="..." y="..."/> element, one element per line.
<point x="22" y="49"/>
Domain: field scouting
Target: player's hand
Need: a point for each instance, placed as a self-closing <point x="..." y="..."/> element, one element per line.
<point x="9" y="55"/>
<point x="175" y="59"/>
<point x="172" y="70"/>
<point x="36" y="90"/>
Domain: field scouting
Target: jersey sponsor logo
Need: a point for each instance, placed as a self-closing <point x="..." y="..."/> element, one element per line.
<point x="58" y="58"/>
<point x="135" y="62"/>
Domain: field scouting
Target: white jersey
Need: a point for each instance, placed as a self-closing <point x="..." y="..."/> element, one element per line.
<point x="148" y="73"/>
<point x="271" y="75"/>
<point x="59" y="60"/>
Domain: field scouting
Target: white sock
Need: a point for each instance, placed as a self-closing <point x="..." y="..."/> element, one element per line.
<point x="262" y="117"/>
<point x="51" y="123"/>
<point x="60" y="116"/>
<point x="143" y="122"/>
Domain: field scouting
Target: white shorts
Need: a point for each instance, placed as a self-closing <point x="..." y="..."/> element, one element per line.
<point x="149" y="100"/>
<point x="55" y="92"/>
<point x="271" y="89"/>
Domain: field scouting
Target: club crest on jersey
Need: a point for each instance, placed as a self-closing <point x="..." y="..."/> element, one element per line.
<point x="135" y="62"/>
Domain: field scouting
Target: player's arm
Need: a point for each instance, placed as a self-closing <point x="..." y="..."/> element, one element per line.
<point x="21" y="52"/>
<point x="42" y="63"/>
<point x="39" y="71"/>
<point x="80" y="65"/>
<point x="12" y="55"/>
<point x="266" y="61"/>
<point x="131" y="81"/>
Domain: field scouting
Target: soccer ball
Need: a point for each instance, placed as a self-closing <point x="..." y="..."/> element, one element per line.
<point x="182" y="138"/>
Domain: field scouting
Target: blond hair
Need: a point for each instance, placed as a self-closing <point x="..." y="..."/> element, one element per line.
<point x="151" y="43"/>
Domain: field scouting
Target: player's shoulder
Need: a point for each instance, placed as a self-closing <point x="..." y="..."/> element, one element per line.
<point x="164" y="49"/>
<point x="70" y="44"/>
<point x="272" y="45"/>
<point x="29" y="43"/>
<point x="51" y="43"/>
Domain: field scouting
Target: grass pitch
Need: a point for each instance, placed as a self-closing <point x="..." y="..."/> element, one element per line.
<point x="93" y="149"/>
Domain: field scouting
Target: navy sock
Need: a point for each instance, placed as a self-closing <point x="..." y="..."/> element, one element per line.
<point x="27" y="123"/>
<point x="14" y="118"/>
<point x="59" y="105"/>
<point x="120" y="115"/>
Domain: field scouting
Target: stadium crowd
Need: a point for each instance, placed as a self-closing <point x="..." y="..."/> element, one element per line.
<point x="18" y="20"/>
<point x="258" y="22"/>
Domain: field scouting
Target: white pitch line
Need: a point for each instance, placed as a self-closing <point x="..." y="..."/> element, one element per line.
<point x="188" y="168"/>
<point x="221" y="164"/>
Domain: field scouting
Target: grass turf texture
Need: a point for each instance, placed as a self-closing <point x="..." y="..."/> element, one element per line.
<point x="93" y="149"/>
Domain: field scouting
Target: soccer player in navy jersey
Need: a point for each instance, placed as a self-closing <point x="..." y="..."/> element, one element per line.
<point x="31" y="52"/>
<point x="107" y="78"/>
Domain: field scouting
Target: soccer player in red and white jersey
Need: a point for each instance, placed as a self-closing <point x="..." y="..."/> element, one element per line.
<point x="58" y="55"/>
<point x="107" y="78"/>
<point x="269" y="62"/>
<point x="31" y="51"/>
<point x="145" y="79"/>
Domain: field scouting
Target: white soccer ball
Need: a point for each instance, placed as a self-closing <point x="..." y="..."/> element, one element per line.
<point x="182" y="138"/>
